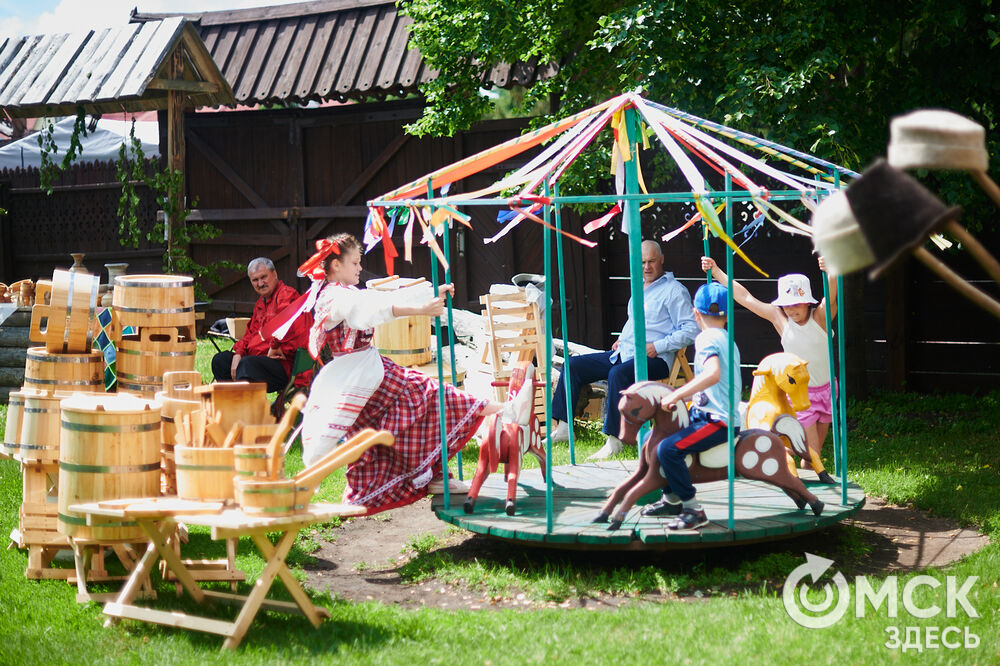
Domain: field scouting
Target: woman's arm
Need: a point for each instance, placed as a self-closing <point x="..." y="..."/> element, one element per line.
<point x="763" y="310"/>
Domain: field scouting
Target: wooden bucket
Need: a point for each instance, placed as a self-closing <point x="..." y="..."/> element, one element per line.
<point x="109" y="448"/>
<point x="272" y="498"/>
<point x="69" y="317"/>
<point x="143" y="359"/>
<point x="406" y="340"/>
<point x="176" y="398"/>
<point x="230" y="402"/>
<point x="12" y="429"/>
<point x="40" y="428"/>
<point x="45" y="371"/>
<point x="155" y="301"/>
<point x="204" y="473"/>
<point x="251" y="461"/>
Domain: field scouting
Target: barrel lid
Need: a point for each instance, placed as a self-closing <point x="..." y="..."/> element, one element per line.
<point x="119" y="403"/>
<point x="153" y="280"/>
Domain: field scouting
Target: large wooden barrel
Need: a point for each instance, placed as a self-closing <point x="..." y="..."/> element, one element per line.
<point x="109" y="449"/>
<point x="406" y="340"/>
<point x="143" y="359"/>
<point x="12" y="429"/>
<point x="39" y="441"/>
<point x="204" y="473"/>
<point x="69" y="316"/>
<point x="45" y="371"/>
<point x="156" y="301"/>
<point x="176" y="399"/>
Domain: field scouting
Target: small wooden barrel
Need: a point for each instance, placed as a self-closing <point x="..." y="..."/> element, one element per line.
<point x="70" y="314"/>
<point x="12" y="429"/>
<point x="155" y="301"/>
<point x="251" y="461"/>
<point x="406" y="340"/>
<point x="204" y="473"/>
<point x="272" y="498"/>
<point x="45" y="371"/>
<point x="109" y="449"/>
<point x="143" y="359"/>
<point x="176" y="399"/>
<point x="40" y="429"/>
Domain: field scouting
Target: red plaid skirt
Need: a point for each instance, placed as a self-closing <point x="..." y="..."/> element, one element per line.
<point x="406" y="404"/>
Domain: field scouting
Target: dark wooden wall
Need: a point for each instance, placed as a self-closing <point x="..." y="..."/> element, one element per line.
<point x="275" y="181"/>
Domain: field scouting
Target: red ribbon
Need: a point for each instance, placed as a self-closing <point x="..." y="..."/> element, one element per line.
<point x="313" y="266"/>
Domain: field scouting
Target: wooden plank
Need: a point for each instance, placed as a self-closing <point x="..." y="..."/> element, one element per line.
<point x="155" y="54"/>
<point x="184" y="86"/>
<point x="227" y="171"/>
<point x="241" y="48"/>
<point x="30" y="61"/>
<point x="394" y="51"/>
<point x="285" y="83"/>
<point x="117" y="77"/>
<point x="284" y="34"/>
<point x="169" y="619"/>
<point x="112" y="48"/>
<point x="224" y="48"/>
<point x="56" y="68"/>
<point x="287" y="607"/>
<point x="347" y="78"/>
<point x="366" y="79"/>
<point x="75" y="78"/>
<point x="335" y="55"/>
<point x="305" y="84"/>
<point x="261" y="52"/>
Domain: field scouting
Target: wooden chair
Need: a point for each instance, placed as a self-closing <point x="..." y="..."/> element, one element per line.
<point x="680" y="372"/>
<point x="514" y="336"/>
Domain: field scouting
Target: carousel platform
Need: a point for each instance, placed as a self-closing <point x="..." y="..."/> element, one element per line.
<point x="761" y="511"/>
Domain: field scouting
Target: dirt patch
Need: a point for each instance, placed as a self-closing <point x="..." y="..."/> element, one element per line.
<point x="363" y="564"/>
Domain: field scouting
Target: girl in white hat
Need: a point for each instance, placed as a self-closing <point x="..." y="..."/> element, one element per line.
<point x="801" y="322"/>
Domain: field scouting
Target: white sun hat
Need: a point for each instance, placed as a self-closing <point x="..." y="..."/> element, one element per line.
<point x="794" y="289"/>
<point x="937" y="139"/>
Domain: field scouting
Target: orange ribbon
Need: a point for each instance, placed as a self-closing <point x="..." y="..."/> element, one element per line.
<point x="313" y="266"/>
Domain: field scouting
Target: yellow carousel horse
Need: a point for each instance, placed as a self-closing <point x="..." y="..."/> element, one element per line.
<point x="781" y="388"/>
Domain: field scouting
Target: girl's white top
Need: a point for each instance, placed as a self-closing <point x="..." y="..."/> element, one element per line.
<point x="808" y="342"/>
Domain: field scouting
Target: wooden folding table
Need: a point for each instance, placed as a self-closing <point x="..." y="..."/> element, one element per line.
<point x="159" y="518"/>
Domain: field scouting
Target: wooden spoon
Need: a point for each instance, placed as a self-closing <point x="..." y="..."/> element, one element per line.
<point x="298" y="402"/>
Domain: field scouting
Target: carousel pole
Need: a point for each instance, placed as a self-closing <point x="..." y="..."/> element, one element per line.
<point x="440" y="374"/>
<point x="547" y="269"/>
<point x="835" y="425"/>
<point x="732" y="368"/>
<point x="451" y="326"/>
<point x="841" y="403"/>
<point x="632" y="218"/>
<point x="565" y="335"/>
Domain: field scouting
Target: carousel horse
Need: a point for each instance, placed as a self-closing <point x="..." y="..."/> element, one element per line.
<point x="760" y="454"/>
<point x="512" y="433"/>
<point x="781" y="388"/>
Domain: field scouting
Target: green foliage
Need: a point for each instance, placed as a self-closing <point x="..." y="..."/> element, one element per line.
<point x="167" y="184"/>
<point x="49" y="170"/>
<point x="824" y="77"/>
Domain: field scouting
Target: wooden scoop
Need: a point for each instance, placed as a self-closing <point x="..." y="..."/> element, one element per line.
<point x="298" y="402"/>
<point x="234" y="435"/>
<point x="344" y="454"/>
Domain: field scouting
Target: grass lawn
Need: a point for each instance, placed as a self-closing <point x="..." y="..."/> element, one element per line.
<point x="938" y="453"/>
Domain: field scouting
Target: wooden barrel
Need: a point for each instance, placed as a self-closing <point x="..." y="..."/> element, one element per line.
<point x="251" y="461"/>
<point x="272" y="498"/>
<point x="176" y="398"/>
<point x="40" y="431"/>
<point x="406" y="340"/>
<point x="45" y="371"/>
<point x="143" y="359"/>
<point x="109" y="448"/>
<point x="156" y="301"/>
<point x="69" y="316"/>
<point x="12" y="429"/>
<point x="204" y="473"/>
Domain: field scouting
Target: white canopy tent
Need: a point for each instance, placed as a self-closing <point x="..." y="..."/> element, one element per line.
<point x="100" y="145"/>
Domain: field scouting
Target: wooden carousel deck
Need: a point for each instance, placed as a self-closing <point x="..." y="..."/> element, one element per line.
<point x="762" y="512"/>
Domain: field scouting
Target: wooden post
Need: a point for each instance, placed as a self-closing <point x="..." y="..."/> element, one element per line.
<point x="895" y="326"/>
<point x="175" y="147"/>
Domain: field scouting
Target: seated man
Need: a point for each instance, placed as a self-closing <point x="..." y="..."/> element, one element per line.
<point x="253" y="358"/>
<point x="670" y="326"/>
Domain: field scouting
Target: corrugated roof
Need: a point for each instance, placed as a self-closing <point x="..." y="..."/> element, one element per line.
<point x="106" y="70"/>
<point x="333" y="49"/>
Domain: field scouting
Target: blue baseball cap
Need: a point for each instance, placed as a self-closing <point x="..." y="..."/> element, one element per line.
<point x="710" y="299"/>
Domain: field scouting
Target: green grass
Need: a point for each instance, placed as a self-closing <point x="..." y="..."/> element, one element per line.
<point x="937" y="453"/>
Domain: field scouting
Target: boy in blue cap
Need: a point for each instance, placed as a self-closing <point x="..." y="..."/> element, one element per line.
<point x="710" y="396"/>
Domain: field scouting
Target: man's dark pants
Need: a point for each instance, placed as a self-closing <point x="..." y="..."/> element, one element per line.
<point x="251" y="369"/>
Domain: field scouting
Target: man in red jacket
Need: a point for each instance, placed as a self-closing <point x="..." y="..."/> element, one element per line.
<point x="253" y="358"/>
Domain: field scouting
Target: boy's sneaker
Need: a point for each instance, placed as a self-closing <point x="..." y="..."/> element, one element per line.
<point x="662" y="507"/>
<point x="688" y="519"/>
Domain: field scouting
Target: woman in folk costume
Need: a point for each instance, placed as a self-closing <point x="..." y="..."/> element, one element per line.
<point x="358" y="388"/>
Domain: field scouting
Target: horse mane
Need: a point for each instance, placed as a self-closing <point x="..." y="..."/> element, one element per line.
<point x="651" y="391"/>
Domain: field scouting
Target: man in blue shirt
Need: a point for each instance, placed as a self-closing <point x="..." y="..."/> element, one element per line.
<point x="670" y="326"/>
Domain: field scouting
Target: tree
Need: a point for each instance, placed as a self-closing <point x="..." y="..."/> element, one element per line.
<point x="823" y="77"/>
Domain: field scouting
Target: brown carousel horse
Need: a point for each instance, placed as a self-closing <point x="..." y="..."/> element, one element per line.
<point x="760" y="455"/>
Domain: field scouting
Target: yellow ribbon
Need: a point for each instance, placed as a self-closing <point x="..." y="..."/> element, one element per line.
<point x="712" y="221"/>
